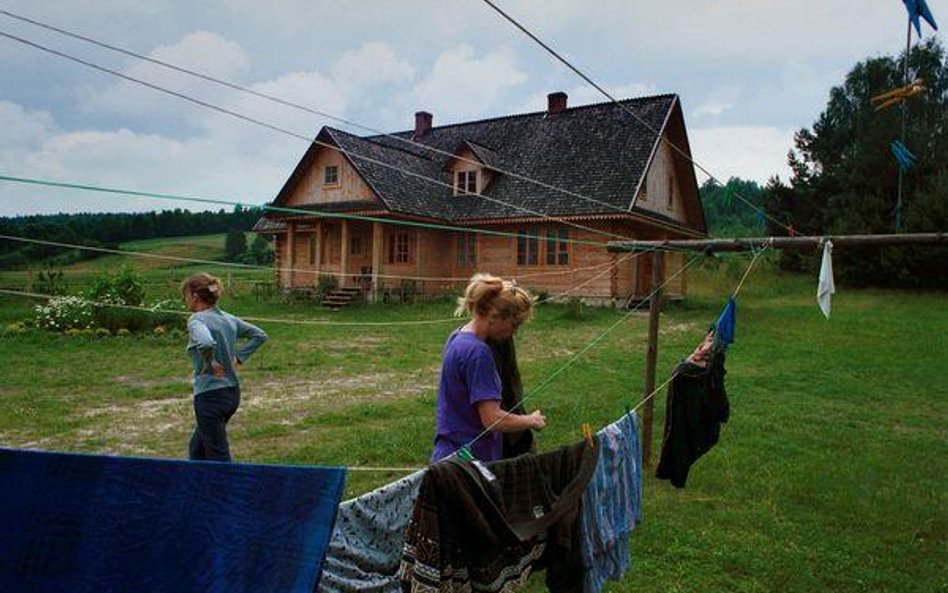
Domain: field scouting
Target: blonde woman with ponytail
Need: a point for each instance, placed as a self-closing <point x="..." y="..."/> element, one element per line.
<point x="469" y="392"/>
<point x="215" y="356"/>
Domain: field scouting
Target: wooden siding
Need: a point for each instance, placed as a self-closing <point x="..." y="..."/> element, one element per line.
<point x="312" y="190"/>
<point x="662" y="180"/>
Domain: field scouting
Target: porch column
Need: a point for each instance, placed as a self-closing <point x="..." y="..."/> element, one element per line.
<point x="290" y="254"/>
<point x="319" y="252"/>
<point x="377" y="240"/>
<point x="344" y="254"/>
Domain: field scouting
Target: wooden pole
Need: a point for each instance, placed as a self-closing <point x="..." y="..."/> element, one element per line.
<point x="748" y="244"/>
<point x="651" y="357"/>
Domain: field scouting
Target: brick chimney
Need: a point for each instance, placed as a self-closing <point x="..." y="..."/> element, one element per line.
<point x="422" y="124"/>
<point x="555" y="102"/>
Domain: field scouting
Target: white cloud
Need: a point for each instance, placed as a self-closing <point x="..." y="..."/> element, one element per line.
<point x="23" y="129"/>
<point x="372" y="65"/>
<point x="748" y="152"/>
<point x="203" y="52"/>
<point x="462" y="86"/>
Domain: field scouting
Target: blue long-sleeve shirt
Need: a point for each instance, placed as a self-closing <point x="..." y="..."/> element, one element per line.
<point x="212" y="335"/>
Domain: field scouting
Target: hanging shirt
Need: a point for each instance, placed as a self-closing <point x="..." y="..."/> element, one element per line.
<point x="469" y="532"/>
<point x="468" y="376"/>
<point x="696" y="406"/>
<point x="366" y="543"/>
<point x="612" y="504"/>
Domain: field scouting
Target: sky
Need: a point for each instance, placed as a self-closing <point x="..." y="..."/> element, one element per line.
<point x="749" y="74"/>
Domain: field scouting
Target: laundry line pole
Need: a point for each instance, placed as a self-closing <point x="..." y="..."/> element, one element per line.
<point x="710" y="246"/>
<point x="749" y="244"/>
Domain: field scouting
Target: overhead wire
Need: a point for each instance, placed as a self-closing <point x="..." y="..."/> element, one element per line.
<point x="348" y="153"/>
<point x="684" y="154"/>
<point x="263" y="268"/>
<point x="301" y="107"/>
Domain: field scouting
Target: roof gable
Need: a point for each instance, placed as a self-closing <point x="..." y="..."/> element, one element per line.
<point x="586" y="160"/>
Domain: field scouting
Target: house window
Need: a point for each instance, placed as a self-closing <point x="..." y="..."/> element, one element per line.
<point x="355" y="246"/>
<point x="398" y="248"/>
<point x="671" y="192"/>
<point x="557" y="246"/>
<point x="467" y="250"/>
<point x="465" y="182"/>
<point x="312" y="249"/>
<point x="331" y="175"/>
<point x="528" y="246"/>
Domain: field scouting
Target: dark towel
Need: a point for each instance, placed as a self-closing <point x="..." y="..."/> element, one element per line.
<point x="94" y="523"/>
<point x="505" y="357"/>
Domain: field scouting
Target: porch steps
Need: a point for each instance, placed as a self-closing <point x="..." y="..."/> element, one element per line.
<point x="341" y="297"/>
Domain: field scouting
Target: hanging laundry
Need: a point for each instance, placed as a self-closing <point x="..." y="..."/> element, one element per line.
<point x="366" y="544"/>
<point x="469" y="532"/>
<point x="916" y="9"/>
<point x="696" y="406"/>
<point x="505" y="357"/>
<point x="826" y="287"/>
<point x="903" y="155"/>
<point x="724" y="326"/>
<point x="612" y="504"/>
<point x="92" y="523"/>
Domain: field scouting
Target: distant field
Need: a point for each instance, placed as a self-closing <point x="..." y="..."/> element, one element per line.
<point x="830" y="475"/>
<point x="156" y="266"/>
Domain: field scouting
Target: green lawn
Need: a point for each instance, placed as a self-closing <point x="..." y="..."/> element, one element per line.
<point x="830" y="476"/>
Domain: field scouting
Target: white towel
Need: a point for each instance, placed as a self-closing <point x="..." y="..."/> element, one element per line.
<point x="826" y="286"/>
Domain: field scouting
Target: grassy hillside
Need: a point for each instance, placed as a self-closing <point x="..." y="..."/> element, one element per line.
<point x="829" y="476"/>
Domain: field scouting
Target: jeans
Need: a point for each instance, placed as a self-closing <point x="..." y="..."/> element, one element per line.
<point x="213" y="409"/>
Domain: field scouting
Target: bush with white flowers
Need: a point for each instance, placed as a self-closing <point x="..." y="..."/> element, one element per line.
<point x="64" y="313"/>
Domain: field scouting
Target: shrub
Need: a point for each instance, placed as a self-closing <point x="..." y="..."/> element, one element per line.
<point x="325" y="285"/>
<point x="50" y="281"/>
<point x="64" y="313"/>
<point x="126" y="287"/>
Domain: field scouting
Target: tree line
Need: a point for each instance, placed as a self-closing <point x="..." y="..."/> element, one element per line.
<point x="845" y="178"/>
<point x="108" y="230"/>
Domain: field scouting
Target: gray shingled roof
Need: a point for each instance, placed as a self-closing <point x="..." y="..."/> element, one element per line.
<point x="599" y="151"/>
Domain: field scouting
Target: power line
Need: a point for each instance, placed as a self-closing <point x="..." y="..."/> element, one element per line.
<point x="299" y="106"/>
<point x="349" y="154"/>
<point x="599" y="88"/>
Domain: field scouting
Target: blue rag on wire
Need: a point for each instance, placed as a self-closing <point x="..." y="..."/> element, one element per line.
<point x="95" y="523"/>
<point x="724" y="327"/>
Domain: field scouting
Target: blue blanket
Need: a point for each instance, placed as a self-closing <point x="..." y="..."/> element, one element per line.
<point x="76" y="523"/>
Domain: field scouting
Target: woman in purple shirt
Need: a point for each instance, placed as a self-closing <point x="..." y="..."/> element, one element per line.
<point x="469" y="394"/>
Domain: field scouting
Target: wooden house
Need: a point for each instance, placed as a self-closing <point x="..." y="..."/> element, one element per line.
<point x="534" y="197"/>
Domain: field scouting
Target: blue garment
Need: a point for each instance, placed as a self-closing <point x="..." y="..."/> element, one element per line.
<point x="468" y="376"/>
<point x="95" y="523"/>
<point x="612" y="504"/>
<point x="724" y="327"/>
<point x="366" y="545"/>
<point x="215" y="330"/>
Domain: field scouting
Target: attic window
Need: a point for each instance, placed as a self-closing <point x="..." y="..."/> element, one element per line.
<point x="465" y="182"/>
<point x="331" y="175"/>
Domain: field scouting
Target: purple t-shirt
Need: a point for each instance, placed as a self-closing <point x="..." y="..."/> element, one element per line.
<point x="468" y="375"/>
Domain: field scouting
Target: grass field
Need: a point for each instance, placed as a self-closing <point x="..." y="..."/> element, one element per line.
<point x="830" y="475"/>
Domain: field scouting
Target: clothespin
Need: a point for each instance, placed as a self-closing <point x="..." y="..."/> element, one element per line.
<point x="465" y="454"/>
<point x="587" y="434"/>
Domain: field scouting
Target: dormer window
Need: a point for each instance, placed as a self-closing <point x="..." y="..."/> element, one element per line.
<point x="331" y="175"/>
<point x="465" y="182"/>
